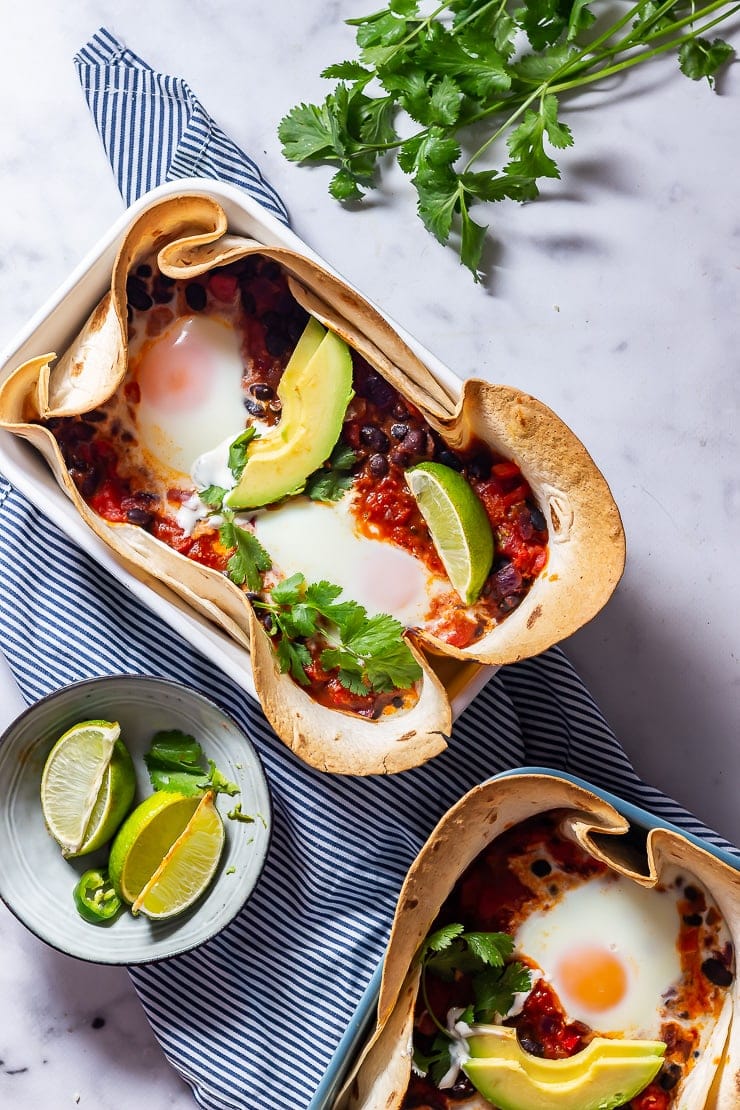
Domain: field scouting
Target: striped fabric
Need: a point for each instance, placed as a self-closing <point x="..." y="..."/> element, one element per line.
<point x="154" y="129"/>
<point x="251" y="1018"/>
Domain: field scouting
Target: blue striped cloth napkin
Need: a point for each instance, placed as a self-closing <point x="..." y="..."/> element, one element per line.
<point x="251" y="1019"/>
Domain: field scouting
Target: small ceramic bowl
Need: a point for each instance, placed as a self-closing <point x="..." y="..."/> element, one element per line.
<point x="36" y="882"/>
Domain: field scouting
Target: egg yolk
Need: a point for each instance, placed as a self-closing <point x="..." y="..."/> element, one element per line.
<point x="175" y="371"/>
<point x="593" y="977"/>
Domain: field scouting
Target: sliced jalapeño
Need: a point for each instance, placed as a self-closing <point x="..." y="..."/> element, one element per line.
<point x="95" y="897"/>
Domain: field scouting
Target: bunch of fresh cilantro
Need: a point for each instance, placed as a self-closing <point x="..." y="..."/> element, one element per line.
<point x="492" y="66"/>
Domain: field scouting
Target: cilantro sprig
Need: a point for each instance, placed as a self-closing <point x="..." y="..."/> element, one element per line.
<point x="175" y="762"/>
<point x="486" y="958"/>
<point x="369" y="652"/>
<point x="331" y="481"/>
<point x="460" y="69"/>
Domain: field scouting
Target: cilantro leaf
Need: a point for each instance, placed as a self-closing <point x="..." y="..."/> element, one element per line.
<point x="346" y="71"/>
<point x="331" y="481"/>
<point x="527" y="142"/>
<point x="495" y="989"/>
<point x="175" y="762"/>
<point x="437" y="1061"/>
<point x="306" y="133"/>
<point x="249" y="560"/>
<point x="369" y="653"/>
<point x="700" y="58"/>
<point x="442" y="938"/>
<point x="213" y="496"/>
<point x="492" y="948"/>
<point x="238" y="451"/>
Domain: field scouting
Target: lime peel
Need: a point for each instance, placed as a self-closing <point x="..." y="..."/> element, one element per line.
<point x="71" y="782"/>
<point x="458" y="524"/>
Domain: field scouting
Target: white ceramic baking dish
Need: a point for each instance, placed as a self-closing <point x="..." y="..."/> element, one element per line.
<point x="54" y="326"/>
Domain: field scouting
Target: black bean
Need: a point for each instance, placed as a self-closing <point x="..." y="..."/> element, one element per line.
<point x="95" y="416"/>
<point x="400" y="457"/>
<point x="144" y="271"/>
<point x="448" y="458"/>
<point x="541" y="868"/>
<point x="81" y="433"/>
<point x="248" y="302"/>
<point x="415" y="441"/>
<point x="507" y="579"/>
<point x="530" y="1045"/>
<point x="479" y="467"/>
<point x="378" y="466"/>
<point x="138" y="516"/>
<point x="400" y="411"/>
<point x="262" y="391"/>
<point x="270" y="270"/>
<point x="461" y="1088"/>
<point x="374" y="438"/>
<point x="162" y="293"/>
<point x="254" y="407"/>
<point x="136" y="294"/>
<point x="692" y="894"/>
<point x="379" y="391"/>
<point x="250" y="265"/>
<point x="669" y="1077"/>
<point x="717" y="972"/>
<point x="276" y="341"/>
<point x="399" y="431"/>
<point x="538" y="521"/>
<point x="196" y="296"/>
<point x="509" y="603"/>
<point x="144" y="497"/>
<point x="164" y="280"/>
<point x="89" y="484"/>
<point x="693" y="919"/>
<point x="294" y="326"/>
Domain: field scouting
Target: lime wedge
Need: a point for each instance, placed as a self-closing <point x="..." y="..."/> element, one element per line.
<point x="86" y="786"/>
<point x="458" y="524"/>
<point x="166" y="853"/>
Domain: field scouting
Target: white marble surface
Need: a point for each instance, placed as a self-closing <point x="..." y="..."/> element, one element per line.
<point x="614" y="299"/>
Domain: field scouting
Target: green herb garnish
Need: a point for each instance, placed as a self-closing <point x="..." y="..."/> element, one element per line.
<point x="175" y="762"/>
<point x="249" y="561"/>
<point x="213" y="496"/>
<point x="473" y="68"/>
<point x="236" y="814"/>
<point x="450" y="951"/>
<point x="370" y="652"/>
<point x="335" y="477"/>
<point x="238" y="452"/>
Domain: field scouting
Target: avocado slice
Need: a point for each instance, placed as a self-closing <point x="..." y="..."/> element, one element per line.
<point x="315" y="389"/>
<point x="500" y="1042"/>
<point x="607" y="1074"/>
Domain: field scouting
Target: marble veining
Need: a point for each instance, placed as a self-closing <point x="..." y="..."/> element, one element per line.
<point x="614" y="299"/>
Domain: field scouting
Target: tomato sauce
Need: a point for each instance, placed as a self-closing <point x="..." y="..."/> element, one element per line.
<point x="386" y="433"/>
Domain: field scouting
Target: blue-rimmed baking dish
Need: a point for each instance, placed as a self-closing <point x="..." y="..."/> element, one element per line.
<point x="360" y="1026"/>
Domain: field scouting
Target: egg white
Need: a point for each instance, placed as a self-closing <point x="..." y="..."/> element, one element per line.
<point x="319" y="540"/>
<point x="191" y="396"/>
<point x="638" y="927"/>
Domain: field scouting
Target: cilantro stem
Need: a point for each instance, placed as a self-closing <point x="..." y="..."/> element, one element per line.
<point x="427" y="1006"/>
<point x="636" y="59"/>
<point x="507" y="66"/>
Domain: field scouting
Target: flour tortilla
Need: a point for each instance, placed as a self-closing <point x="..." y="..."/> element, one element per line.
<point x="470" y="826"/>
<point x="189" y="233"/>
